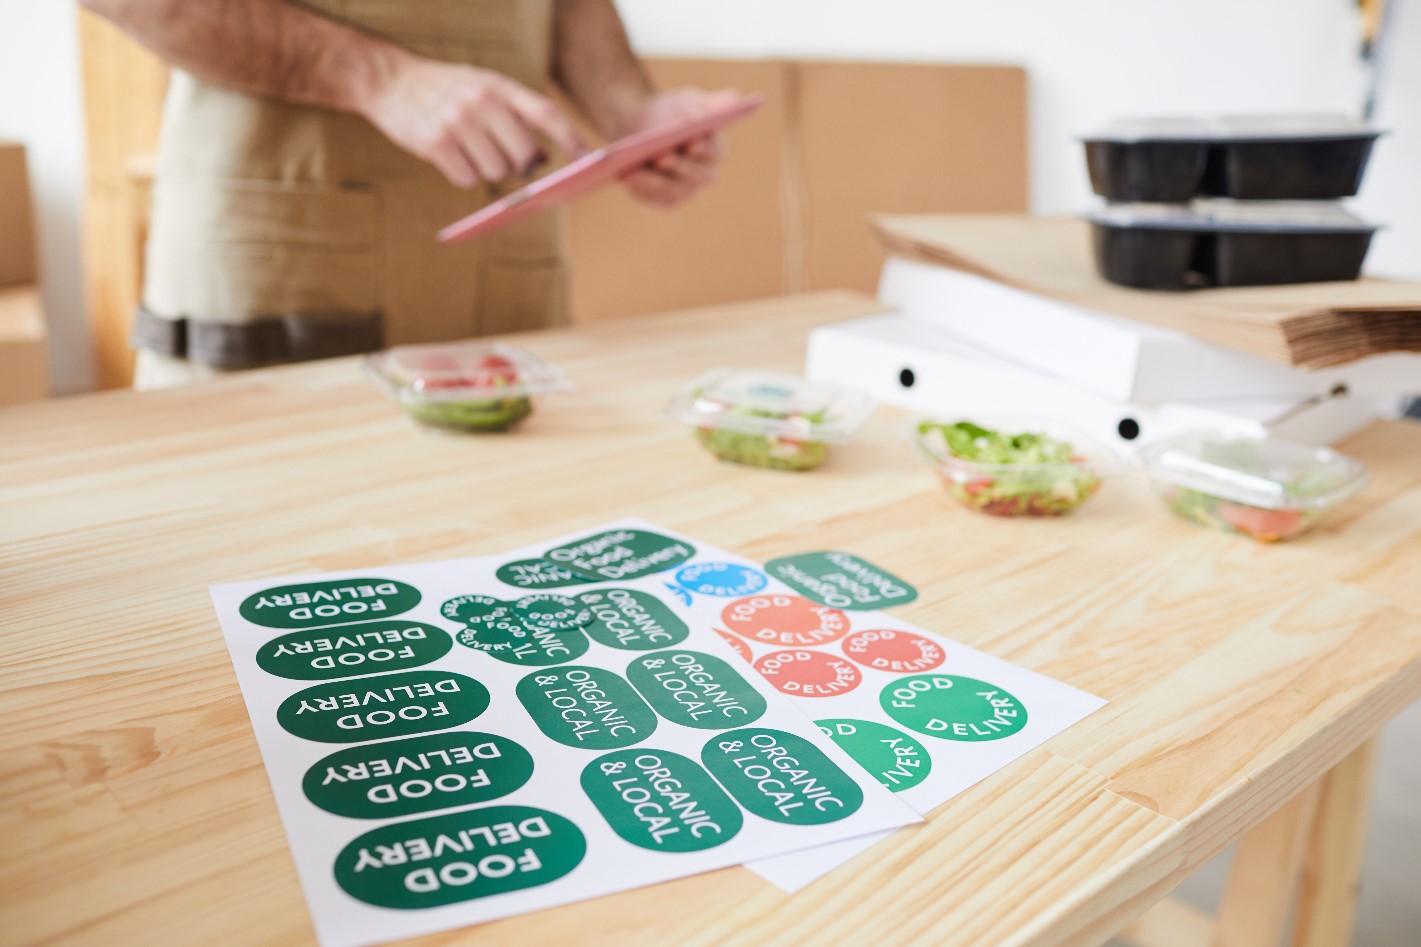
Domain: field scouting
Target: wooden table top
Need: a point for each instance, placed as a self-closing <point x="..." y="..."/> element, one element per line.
<point x="135" y="804"/>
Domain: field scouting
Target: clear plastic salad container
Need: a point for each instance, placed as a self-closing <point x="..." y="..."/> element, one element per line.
<point x="769" y="420"/>
<point x="1011" y="468"/>
<point x="467" y="386"/>
<point x="1261" y="487"/>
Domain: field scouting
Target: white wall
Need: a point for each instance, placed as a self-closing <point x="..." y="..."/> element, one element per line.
<point x="1092" y="60"/>
<point x="40" y="105"/>
<point x="1391" y="192"/>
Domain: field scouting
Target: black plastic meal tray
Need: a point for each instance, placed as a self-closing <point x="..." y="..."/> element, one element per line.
<point x="1175" y="171"/>
<point x="1159" y="257"/>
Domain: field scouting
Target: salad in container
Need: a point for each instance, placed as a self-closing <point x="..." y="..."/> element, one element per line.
<point x="1264" y="488"/>
<point x="1015" y="470"/>
<point x="465" y="386"/>
<point x="769" y="420"/>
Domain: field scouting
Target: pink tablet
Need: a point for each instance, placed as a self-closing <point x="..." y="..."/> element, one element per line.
<point x="593" y="170"/>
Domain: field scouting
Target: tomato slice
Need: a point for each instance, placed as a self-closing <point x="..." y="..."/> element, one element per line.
<point x="1002" y="506"/>
<point x="974" y="487"/>
<point x="492" y="371"/>
<point x="1268" y="526"/>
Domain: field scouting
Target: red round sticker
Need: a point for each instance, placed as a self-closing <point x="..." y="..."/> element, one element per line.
<point x="740" y="647"/>
<point x="900" y="652"/>
<point x="809" y="673"/>
<point x="785" y="620"/>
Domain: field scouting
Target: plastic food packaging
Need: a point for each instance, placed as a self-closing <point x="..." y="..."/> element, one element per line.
<point x="769" y="420"/>
<point x="1014" y="468"/>
<point x="466" y="386"/>
<point x="1226" y="243"/>
<point x="1265" y="157"/>
<point x="1262" y="487"/>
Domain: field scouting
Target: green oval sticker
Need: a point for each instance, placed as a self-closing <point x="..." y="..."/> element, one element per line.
<point x="661" y="801"/>
<point x="895" y="759"/>
<point x="418" y="774"/>
<point x="696" y="690"/>
<point x="586" y="707"/>
<point x="328" y="603"/>
<point x="781" y="777"/>
<point x="444" y="859"/>
<point x="388" y="705"/>
<point x="632" y="620"/>
<point x="536" y="574"/>
<point x="351" y="650"/>
<point x="543" y="648"/>
<point x="953" y="708"/>
<point x="841" y="580"/>
<point x="551" y="612"/>
<point x="618" y="554"/>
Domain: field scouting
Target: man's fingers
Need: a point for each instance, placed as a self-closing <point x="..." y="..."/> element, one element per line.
<point x="542" y="114"/>
<point x="704" y="151"/>
<point x="483" y="154"/>
<point x="451" y="161"/>
<point x="512" y="137"/>
<point x="659" y="189"/>
<point x="705" y="148"/>
<point x="682" y="168"/>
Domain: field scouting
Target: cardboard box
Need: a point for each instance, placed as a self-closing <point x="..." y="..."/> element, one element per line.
<point x="903" y="362"/>
<point x="17" y="234"/>
<point x="1118" y="358"/>
<point x="24" y="346"/>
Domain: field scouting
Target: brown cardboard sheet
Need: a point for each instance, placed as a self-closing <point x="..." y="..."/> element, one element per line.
<point x="24" y="346"/>
<point x="895" y="138"/>
<point x="17" y="236"/>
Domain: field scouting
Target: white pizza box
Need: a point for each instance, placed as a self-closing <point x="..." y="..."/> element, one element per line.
<point x="1116" y="357"/>
<point x="905" y="362"/>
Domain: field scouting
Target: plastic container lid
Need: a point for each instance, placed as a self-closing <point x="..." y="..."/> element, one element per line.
<point x="1266" y="472"/>
<point x="1234" y="128"/>
<point x="753" y="402"/>
<point x="462" y="371"/>
<point x="1231" y="215"/>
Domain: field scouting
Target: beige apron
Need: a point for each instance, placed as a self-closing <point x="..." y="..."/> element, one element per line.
<point x="283" y="233"/>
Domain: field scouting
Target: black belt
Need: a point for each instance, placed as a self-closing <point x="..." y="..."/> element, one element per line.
<point x="270" y="340"/>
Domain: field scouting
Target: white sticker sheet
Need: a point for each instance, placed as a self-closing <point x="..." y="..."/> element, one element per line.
<point x="455" y="742"/>
<point x="926" y="716"/>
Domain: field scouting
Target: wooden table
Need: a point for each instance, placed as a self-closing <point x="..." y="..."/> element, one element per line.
<point x="136" y="808"/>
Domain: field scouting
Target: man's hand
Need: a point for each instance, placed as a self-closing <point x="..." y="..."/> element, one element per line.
<point x="471" y="124"/>
<point x="672" y="178"/>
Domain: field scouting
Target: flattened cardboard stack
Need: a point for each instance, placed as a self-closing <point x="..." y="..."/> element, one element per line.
<point x="24" y="347"/>
<point x="1005" y="314"/>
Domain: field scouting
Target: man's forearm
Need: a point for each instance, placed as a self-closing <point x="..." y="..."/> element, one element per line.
<point x="269" y="48"/>
<point x="596" y="67"/>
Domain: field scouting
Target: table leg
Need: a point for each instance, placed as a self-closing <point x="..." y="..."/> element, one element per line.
<point x="1313" y="847"/>
<point x="1254" y="909"/>
<point x="1327" y="896"/>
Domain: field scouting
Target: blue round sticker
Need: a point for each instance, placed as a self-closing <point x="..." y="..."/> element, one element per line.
<point x="722" y="578"/>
